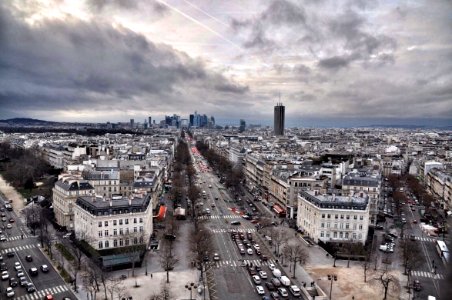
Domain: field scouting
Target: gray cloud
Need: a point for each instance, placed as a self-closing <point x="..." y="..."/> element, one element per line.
<point x="72" y="64"/>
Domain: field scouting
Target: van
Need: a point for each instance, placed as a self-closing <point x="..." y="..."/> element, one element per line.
<point x="285" y="280"/>
<point x="431" y="298"/>
<point x="276" y="273"/>
<point x="294" y="290"/>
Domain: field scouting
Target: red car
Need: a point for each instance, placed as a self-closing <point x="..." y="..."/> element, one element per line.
<point x="11" y="220"/>
<point x="48" y="297"/>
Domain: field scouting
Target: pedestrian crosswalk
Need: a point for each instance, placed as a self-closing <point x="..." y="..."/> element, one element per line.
<point x="244" y="262"/>
<point x="17" y="237"/>
<point x="218" y="217"/>
<point x="425" y="239"/>
<point x="427" y="274"/>
<point x="42" y="293"/>
<point x="18" y="248"/>
<point x="235" y="230"/>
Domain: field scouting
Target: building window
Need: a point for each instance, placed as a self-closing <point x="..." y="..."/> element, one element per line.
<point x="355" y="217"/>
<point x="354" y="236"/>
<point x="135" y="240"/>
<point x="126" y="221"/>
<point x="321" y="234"/>
<point x="347" y="226"/>
<point x="360" y="236"/>
<point x="120" y="220"/>
<point x="100" y="224"/>
<point x="127" y="242"/>
<point x="361" y="218"/>
<point x="322" y="225"/>
<point x="323" y="216"/>
<point x="328" y="216"/>
<point x="120" y="231"/>
<point x="115" y="243"/>
<point x="101" y="245"/>
<point x="342" y="216"/>
<point x="335" y="225"/>
<point x="328" y="225"/>
<point x="141" y="228"/>
<point x="347" y="217"/>
<point x="354" y="226"/>
<point x="127" y="230"/>
<point x="327" y="234"/>
<point x="121" y="243"/>
<point x="346" y="235"/>
<point x="341" y="225"/>
<point x="135" y="220"/>
<point x="106" y="233"/>
<point x="141" y="220"/>
<point x="114" y="222"/>
<point x="341" y="235"/>
<point x="106" y="223"/>
<point x="336" y="216"/>
<point x="360" y="227"/>
<point x="100" y="233"/>
<point x="107" y="244"/>
<point x="115" y="232"/>
<point x="335" y="234"/>
<point x="134" y="229"/>
<point x="141" y="240"/>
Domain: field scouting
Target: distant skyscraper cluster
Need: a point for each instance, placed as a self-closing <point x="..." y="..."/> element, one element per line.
<point x="279" y="117"/>
<point x="198" y="120"/>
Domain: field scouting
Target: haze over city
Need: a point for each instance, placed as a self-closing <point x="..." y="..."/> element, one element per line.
<point x="332" y="63"/>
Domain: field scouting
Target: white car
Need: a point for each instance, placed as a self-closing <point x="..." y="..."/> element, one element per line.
<point x="256" y="246"/>
<point x="9" y="292"/>
<point x="256" y="279"/>
<point x="283" y="292"/>
<point x="5" y="275"/>
<point x="260" y="290"/>
<point x="249" y="251"/>
<point x="263" y="274"/>
<point x="271" y="266"/>
<point x="9" y="226"/>
<point x="210" y="186"/>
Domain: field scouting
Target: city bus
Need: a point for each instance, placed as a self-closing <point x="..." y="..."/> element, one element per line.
<point x="442" y="250"/>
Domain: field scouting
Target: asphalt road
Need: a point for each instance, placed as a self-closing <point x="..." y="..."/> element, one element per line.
<point x="231" y="278"/>
<point x="45" y="283"/>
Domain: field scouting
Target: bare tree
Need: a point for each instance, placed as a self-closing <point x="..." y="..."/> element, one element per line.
<point x="295" y="253"/>
<point x="201" y="248"/>
<point x="387" y="281"/>
<point x="115" y="286"/>
<point x="366" y="265"/>
<point x="410" y="254"/>
<point x="280" y="236"/>
<point x="167" y="259"/>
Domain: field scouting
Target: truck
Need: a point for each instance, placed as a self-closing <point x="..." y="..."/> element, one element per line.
<point x="284" y="280"/>
<point x="276" y="273"/>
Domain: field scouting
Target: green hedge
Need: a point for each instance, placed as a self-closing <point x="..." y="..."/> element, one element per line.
<point x="68" y="255"/>
<point x="64" y="274"/>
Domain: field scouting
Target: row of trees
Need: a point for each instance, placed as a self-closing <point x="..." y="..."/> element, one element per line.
<point x="233" y="173"/>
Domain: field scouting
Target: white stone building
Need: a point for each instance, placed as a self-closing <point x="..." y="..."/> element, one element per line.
<point x="331" y="218"/>
<point x="115" y="222"/>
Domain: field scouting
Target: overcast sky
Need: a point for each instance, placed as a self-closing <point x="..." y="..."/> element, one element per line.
<point x="101" y="60"/>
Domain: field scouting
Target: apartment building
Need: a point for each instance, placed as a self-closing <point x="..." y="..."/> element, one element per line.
<point x="438" y="184"/>
<point x="105" y="183"/>
<point x="360" y="184"/>
<point x="116" y="222"/>
<point x="65" y="192"/>
<point x="332" y="218"/>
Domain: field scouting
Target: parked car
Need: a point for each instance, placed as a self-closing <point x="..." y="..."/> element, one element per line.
<point x="30" y="288"/>
<point x="271" y="266"/>
<point x="29" y="258"/>
<point x="263" y="274"/>
<point x="5" y="275"/>
<point x="9" y="226"/>
<point x="216" y="256"/>
<point x="13" y="282"/>
<point x="274" y="295"/>
<point x="276" y="282"/>
<point x="295" y="291"/>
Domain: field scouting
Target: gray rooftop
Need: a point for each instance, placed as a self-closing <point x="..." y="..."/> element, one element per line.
<point x="99" y="206"/>
<point x="73" y="185"/>
<point x="361" y="181"/>
<point x="336" y="202"/>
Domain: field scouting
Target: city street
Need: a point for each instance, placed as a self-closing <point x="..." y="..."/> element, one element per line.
<point x="231" y="278"/>
<point x="15" y="249"/>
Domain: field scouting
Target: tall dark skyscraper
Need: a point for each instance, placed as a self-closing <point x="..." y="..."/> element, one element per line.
<point x="242" y="125"/>
<point x="279" y="117"/>
<point x="149" y="121"/>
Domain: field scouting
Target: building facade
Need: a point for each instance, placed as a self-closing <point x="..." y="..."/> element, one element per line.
<point x="331" y="218"/>
<point x="115" y="222"/>
<point x="65" y="193"/>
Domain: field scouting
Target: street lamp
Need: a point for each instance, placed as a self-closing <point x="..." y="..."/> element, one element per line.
<point x="331" y="277"/>
<point x="191" y="286"/>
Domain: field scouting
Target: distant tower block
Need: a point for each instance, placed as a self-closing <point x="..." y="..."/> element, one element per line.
<point x="279" y="118"/>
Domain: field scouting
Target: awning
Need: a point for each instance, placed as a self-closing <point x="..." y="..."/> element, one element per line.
<point x="278" y="209"/>
<point x="162" y="212"/>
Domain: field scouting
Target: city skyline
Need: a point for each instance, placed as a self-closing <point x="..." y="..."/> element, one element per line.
<point x="348" y="64"/>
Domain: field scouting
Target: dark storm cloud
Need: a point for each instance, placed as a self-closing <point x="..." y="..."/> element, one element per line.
<point x="77" y="65"/>
<point x="278" y="13"/>
<point x="335" y="62"/>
